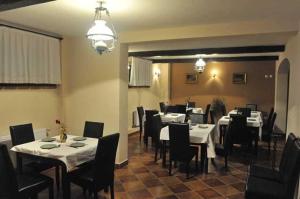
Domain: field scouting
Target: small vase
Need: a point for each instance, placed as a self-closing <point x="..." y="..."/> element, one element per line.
<point x="63" y="137"/>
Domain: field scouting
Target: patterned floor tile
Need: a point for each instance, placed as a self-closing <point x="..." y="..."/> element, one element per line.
<point x="178" y="188"/>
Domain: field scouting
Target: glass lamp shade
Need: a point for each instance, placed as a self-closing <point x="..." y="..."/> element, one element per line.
<point x="100" y="32"/>
<point x="200" y="65"/>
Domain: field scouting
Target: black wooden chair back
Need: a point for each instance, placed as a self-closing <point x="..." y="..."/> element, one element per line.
<point x="244" y="111"/>
<point x="212" y="117"/>
<point x="253" y="107"/>
<point x="172" y="109"/>
<point x="141" y="113"/>
<point x="181" y="108"/>
<point x="191" y="104"/>
<point x="197" y="118"/>
<point x="162" y="107"/>
<point x="206" y="113"/>
<point x="179" y="141"/>
<point x="238" y="130"/>
<point x="105" y="157"/>
<point x="157" y="125"/>
<point x="149" y="122"/>
<point x="93" y="129"/>
<point x="21" y="134"/>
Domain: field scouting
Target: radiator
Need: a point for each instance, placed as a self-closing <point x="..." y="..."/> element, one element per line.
<point x="38" y="134"/>
<point x="135" y="119"/>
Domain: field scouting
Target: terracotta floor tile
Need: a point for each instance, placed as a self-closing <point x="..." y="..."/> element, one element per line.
<point x="133" y="186"/>
<point x="237" y="196"/>
<point x="226" y="190"/>
<point x="167" y="197"/>
<point x="140" y="170"/>
<point x="160" y="191"/>
<point x="161" y="173"/>
<point x="152" y="182"/>
<point x="140" y="194"/>
<point x="208" y="193"/>
<point x="170" y="180"/>
<point x="213" y="182"/>
<point x="229" y="179"/>
<point x="189" y="195"/>
<point x="178" y="188"/>
<point x="239" y="186"/>
<point x="196" y="185"/>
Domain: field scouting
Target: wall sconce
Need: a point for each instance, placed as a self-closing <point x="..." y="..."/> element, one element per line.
<point x="214" y="74"/>
<point x="268" y="76"/>
<point x="157" y="73"/>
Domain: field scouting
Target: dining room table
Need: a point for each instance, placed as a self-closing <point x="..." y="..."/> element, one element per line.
<point x="200" y="134"/>
<point x="172" y="117"/>
<point x="74" y="152"/>
<point x="254" y="122"/>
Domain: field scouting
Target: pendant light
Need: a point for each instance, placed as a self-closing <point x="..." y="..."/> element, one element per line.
<point x="200" y="65"/>
<point x="102" y="34"/>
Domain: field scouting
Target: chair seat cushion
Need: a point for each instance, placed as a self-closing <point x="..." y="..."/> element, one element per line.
<point x="259" y="188"/>
<point x="264" y="172"/>
<point x="27" y="184"/>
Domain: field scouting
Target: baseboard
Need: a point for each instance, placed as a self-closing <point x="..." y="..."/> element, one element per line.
<point x="122" y="164"/>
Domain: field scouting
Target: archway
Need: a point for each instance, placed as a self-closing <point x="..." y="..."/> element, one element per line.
<point x="282" y="94"/>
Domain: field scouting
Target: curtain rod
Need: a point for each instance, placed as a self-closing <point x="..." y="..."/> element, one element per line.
<point x="23" y="28"/>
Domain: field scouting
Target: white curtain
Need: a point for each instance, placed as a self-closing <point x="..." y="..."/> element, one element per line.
<point x="141" y="72"/>
<point x="27" y="57"/>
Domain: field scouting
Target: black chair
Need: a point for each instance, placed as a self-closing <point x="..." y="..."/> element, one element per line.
<point x="253" y="107"/>
<point x="13" y="186"/>
<point x="180" y="149"/>
<point x="101" y="175"/>
<point x="21" y="134"/>
<point x="149" y="124"/>
<point x="141" y="113"/>
<point x="191" y="104"/>
<point x="162" y="107"/>
<point x="270" y="173"/>
<point x="240" y="134"/>
<point x="197" y="118"/>
<point x="225" y="148"/>
<point x="181" y="108"/>
<point x="282" y="187"/>
<point x="244" y="111"/>
<point x="93" y="129"/>
<point x="266" y="135"/>
<point x="157" y="126"/>
<point x="224" y="112"/>
<point x="172" y="109"/>
<point x="212" y="117"/>
<point x="268" y="121"/>
<point x="206" y="113"/>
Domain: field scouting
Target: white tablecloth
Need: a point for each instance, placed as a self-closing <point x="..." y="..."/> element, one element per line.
<point x="72" y="157"/>
<point x="172" y="117"/>
<point x="254" y="121"/>
<point x="197" y="136"/>
<point x="195" y="110"/>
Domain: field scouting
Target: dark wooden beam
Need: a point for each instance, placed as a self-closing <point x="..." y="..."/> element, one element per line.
<point x="228" y="50"/>
<point x="13" y="4"/>
<point x="219" y="59"/>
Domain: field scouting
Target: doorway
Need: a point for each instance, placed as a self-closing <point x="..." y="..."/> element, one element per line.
<point x="282" y="96"/>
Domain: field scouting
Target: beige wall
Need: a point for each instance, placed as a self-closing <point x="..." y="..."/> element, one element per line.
<point x="258" y="90"/>
<point x="95" y="88"/>
<point x="149" y="98"/>
<point x="292" y="54"/>
<point x="41" y="107"/>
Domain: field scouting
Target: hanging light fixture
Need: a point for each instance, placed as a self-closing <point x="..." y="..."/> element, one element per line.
<point x="200" y="65"/>
<point x="102" y="35"/>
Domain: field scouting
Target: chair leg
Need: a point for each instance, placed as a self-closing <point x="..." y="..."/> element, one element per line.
<point x="57" y="177"/>
<point x="196" y="161"/>
<point x="51" y="194"/>
<point x="187" y="169"/>
<point x="95" y="194"/>
<point x="140" y="136"/>
<point x="112" y="193"/>
<point x="170" y="167"/>
<point x="156" y="151"/>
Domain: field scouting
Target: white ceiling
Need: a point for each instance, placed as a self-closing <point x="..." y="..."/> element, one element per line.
<point x="74" y="17"/>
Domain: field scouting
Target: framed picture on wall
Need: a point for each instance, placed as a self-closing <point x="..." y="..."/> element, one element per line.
<point x="191" y="78"/>
<point x="239" y="78"/>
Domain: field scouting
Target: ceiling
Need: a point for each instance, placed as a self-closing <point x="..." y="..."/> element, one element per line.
<point x="74" y="17"/>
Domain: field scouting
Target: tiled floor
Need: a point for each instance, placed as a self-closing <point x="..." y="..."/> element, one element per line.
<point x="143" y="178"/>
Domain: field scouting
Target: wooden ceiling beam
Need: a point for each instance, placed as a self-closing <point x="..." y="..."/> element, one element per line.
<point x="13" y="4"/>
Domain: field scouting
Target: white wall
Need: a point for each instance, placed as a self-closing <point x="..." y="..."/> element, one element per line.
<point x="149" y="98"/>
